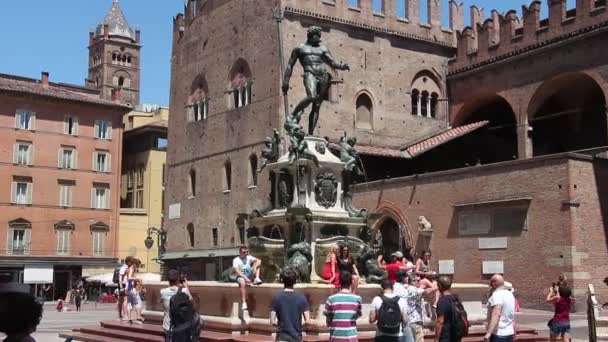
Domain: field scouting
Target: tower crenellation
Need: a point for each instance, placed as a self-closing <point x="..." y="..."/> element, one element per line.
<point x="507" y="34"/>
<point x="384" y="16"/>
<point x="456" y="15"/>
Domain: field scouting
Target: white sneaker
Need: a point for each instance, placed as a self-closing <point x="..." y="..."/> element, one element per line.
<point x="244" y="307"/>
<point x="257" y="281"/>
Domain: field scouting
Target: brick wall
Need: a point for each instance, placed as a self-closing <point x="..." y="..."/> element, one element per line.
<point x="47" y="138"/>
<point x="533" y="258"/>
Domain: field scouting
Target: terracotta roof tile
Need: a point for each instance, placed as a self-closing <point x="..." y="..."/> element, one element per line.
<point x="371" y="150"/>
<point x="378" y="151"/>
<point x="427" y="144"/>
<point x="24" y="85"/>
<point x="417" y="148"/>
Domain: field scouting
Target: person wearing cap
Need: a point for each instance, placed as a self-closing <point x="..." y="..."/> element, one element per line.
<point x="394" y="266"/>
<point x="20" y="313"/>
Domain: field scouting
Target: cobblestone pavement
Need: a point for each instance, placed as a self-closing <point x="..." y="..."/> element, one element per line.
<point x="537" y="319"/>
<point x="54" y="322"/>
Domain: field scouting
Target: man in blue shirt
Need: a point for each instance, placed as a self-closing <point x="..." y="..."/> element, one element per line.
<point x="287" y="309"/>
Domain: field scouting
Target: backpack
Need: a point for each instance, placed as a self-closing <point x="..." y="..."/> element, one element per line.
<point x="116" y="276"/>
<point x="185" y="321"/>
<point x="460" y="319"/>
<point x="389" y="315"/>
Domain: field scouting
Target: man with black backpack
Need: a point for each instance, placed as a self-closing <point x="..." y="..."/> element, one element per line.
<point x="181" y="322"/>
<point x="452" y="323"/>
<point x="389" y="312"/>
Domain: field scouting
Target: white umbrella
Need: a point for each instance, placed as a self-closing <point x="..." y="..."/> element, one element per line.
<point x="148" y="277"/>
<point x="101" y="278"/>
<point x="106" y="278"/>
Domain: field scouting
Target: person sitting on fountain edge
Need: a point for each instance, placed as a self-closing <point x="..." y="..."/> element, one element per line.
<point x="246" y="270"/>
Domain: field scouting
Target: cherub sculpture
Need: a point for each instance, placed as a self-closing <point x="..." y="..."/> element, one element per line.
<point x="349" y="156"/>
<point x="298" y="147"/>
<point x="270" y="153"/>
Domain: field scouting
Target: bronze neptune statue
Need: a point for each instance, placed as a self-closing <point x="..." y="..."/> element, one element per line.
<point x="312" y="55"/>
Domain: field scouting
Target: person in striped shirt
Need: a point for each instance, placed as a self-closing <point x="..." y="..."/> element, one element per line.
<point x="342" y="310"/>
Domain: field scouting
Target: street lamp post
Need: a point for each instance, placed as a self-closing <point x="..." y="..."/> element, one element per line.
<point x="161" y="238"/>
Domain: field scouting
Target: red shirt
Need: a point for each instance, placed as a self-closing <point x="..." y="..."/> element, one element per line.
<point x="562" y="310"/>
<point x="392" y="270"/>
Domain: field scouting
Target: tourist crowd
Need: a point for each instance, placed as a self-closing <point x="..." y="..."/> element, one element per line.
<point x="411" y="294"/>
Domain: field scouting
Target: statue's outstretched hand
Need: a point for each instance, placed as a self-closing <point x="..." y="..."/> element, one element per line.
<point x="285" y="88"/>
<point x="345" y="66"/>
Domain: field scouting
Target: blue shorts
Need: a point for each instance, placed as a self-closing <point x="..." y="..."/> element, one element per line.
<point x="236" y="278"/>
<point x="560" y="328"/>
<point x="133" y="299"/>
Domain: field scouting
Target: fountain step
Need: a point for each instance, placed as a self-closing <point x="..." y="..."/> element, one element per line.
<point x="112" y="331"/>
<point x="77" y="336"/>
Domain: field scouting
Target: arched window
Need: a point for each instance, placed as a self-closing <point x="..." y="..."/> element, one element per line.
<point x="241" y="84"/>
<point x="114" y="57"/>
<point x="434" y="99"/>
<point x="192" y="184"/>
<point x="96" y="81"/>
<point x="198" y="102"/>
<point x="364" y="112"/>
<point x="415" y="102"/>
<point x="121" y="81"/>
<point x="128" y="60"/>
<point x="227" y="176"/>
<point x="253" y="170"/>
<point x="425" y="95"/>
<point x="190" y="230"/>
<point x="425" y="103"/>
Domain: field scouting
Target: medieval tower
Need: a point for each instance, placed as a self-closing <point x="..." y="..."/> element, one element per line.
<point x="114" y="57"/>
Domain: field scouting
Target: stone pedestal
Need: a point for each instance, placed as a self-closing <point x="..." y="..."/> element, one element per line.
<point x="307" y="206"/>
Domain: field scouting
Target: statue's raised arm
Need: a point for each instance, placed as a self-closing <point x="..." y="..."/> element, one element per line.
<point x="312" y="56"/>
<point x="330" y="60"/>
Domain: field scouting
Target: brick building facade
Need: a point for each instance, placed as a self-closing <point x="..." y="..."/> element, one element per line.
<point x="493" y="132"/>
<point x="60" y="157"/>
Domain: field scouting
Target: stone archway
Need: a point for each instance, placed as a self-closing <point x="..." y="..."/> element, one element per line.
<point x="572" y="103"/>
<point x="498" y="140"/>
<point x="392" y="228"/>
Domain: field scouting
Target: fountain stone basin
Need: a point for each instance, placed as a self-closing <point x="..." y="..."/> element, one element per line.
<point x="220" y="304"/>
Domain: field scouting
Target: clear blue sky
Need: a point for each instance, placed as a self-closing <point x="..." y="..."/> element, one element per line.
<point x="52" y="35"/>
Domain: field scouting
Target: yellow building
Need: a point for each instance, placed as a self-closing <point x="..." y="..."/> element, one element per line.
<point x="142" y="183"/>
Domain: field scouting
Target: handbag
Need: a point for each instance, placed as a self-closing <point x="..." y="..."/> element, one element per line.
<point x="550" y="323"/>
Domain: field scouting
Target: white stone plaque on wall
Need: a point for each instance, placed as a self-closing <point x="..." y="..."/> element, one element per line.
<point x="493" y="243"/>
<point x="175" y="211"/>
<point x="493" y="267"/>
<point x="446" y="266"/>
